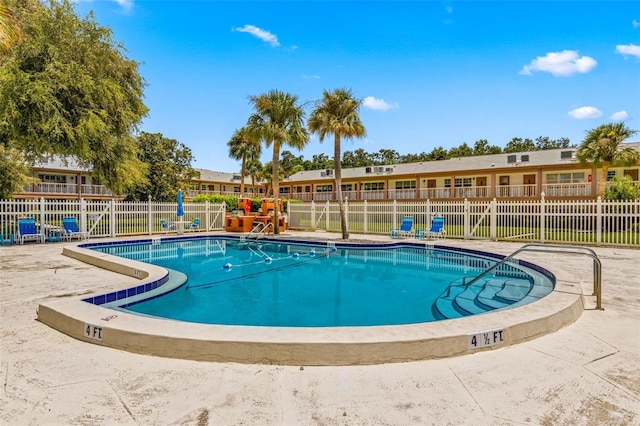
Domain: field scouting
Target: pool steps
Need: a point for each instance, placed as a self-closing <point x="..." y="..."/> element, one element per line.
<point x="484" y="296"/>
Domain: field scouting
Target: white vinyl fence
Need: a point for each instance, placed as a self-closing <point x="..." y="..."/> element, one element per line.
<point x="559" y="221"/>
<point x="106" y="218"/>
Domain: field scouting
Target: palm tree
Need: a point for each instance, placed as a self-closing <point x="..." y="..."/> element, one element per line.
<point x="243" y="145"/>
<point x="278" y="120"/>
<point x="254" y="169"/>
<point x="601" y="147"/>
<point x="337" y="113"/>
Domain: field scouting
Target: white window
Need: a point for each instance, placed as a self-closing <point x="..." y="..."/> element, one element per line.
<point x="406" y="184"/>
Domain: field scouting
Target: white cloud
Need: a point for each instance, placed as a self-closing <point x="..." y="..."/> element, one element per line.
<point x="565" y="63"/>
<point x="263" y="35"/>
<point x="628" y="49"/>
<point x="585" y="112"/>
<point x="620" y="115"/>
<point x="125" y="4"/>
<point x="311" y="77"/>
<point x="635" y="23"/>
<point x="377" y="104"/>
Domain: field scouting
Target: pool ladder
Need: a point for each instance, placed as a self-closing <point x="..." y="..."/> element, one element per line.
<point x="259" y="229"/>
<point x="551" y="248"/>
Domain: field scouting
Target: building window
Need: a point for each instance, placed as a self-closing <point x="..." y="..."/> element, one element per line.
<point x="373" y="186"/>
<point x="406" y="184"/>
<point x="463" y="182"/>
<point x="52" y="178"/>
<point x="285" y="190"/>
<point x="511" y="159"/>
<point x="347" y="187"/>
<point x="555" y="178"/>
<point x="611" y="175"/>
<point x="324" y="188"/>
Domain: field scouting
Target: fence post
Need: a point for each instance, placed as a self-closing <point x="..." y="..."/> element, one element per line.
<point x="395" y="214"/>
<point x="313" y="215"/>
<point x="365" y="218"/>
<point x="83" y="215"/>
<point x="112" y="218"/>
<point x="149" y="216"/>
<point x="346" y="213"/>
<point x="543" y="218"/>
<point x="467" y="220"/>
<point x="493" y="225"/>
<point x="207" y="215"/>
<point x="42" y="229"/>
<point x="327" y="222"/>
<point x="599" y="221"/>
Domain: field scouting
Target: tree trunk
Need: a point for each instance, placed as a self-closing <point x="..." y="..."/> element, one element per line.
<point x="275" y="185"/>
<point x="242" y="171"/>
<point x="603" y="180"/>
<point x="338" y="182"/>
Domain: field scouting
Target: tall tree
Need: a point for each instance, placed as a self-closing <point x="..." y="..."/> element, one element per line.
<point x="254" y="169"/>
<point x="69" y="90"/>
<point x="10" y="29"/>
<point x="243" y="145"/>
<point x="519" y="145"/>
<point x="386" y="156"/>
<point x="337" y="113"/>
<point x="544" y="142"/>
<point x="278" y="120"/>
<point x="290" y="164"/>
<point x="482" y="147"/>
<point x="461" y="151"/>
<point x="601" y="147"/>
<point x="14" y="173"/>
<point x="168" y="168"/>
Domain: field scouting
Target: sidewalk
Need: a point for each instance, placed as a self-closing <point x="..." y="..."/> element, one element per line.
<point x="588" y="373"/>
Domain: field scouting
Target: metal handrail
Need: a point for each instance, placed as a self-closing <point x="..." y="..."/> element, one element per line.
<point x="597" y="265"/>
<point x="259" y="229"/>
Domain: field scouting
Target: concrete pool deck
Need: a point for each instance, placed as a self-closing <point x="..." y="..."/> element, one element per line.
<point x="586" y="373"/>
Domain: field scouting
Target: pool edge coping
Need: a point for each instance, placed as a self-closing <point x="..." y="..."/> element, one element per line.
<point x="296" y="346"/>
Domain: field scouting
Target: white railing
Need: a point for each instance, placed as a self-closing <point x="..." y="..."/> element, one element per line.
<point x="108" y="218"/>
<point x="65" y="188"/>
<point x="561" y="221"/>
<point x="567" y="189"/>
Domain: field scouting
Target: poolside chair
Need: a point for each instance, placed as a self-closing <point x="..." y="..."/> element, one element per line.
<point x="193" y="226"/>
<point x="437" y="228"/>
<point x="405" y="230"/>
<point x="28" y="230"/>
<point x="168" y="227"/>
<point x="71" y="229"/>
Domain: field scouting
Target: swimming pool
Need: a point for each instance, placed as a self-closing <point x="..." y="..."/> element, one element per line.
<point x="289" y="284"/>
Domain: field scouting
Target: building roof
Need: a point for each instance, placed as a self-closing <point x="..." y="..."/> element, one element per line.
<point x="462" y="164"/>
<point x="213" y="176"/>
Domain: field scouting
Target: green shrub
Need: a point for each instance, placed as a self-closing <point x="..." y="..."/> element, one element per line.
<point x="621" y="189"/>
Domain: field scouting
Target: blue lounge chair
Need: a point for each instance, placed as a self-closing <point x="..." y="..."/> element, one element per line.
<point x="405" y="230"/>
<point x="168" y="227"/>
<point x="71" y="229"/>
<point x="193" y="226"/>
<point x="28" y="230"/>
<point x="437" y="228"/>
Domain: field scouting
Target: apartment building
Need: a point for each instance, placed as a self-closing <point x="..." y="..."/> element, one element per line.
<point x="556" y="173"/>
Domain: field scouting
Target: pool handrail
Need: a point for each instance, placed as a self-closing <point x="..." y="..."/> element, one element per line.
<point x="555" y="248"/>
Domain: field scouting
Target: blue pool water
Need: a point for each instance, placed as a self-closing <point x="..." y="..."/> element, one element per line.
<point x="285" y="284"/>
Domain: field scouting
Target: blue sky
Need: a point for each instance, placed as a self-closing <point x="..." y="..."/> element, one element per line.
<point x="430" y="73"/>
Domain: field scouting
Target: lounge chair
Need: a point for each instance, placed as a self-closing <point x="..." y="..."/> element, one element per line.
<point x="193" y="226"/>
<point x="405" y="230"/>
<point x="168" y="227"/>
<point x="437" y="228"/>
<point x="28" y="230"/>
<point x="71" y="229"/>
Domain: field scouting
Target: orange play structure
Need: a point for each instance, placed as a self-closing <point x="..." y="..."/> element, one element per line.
<point x="244" y="220"/>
